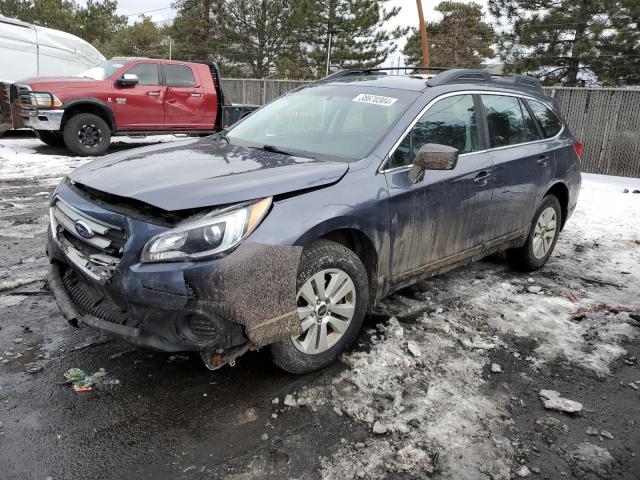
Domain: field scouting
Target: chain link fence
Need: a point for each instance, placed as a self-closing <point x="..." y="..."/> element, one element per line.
<point x="606" y="120"/>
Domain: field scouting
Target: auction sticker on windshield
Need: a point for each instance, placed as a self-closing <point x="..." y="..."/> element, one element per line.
<point x="375" y="99"/>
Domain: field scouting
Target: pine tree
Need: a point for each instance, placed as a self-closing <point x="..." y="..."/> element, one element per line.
<point x="566" y="41"/>
<point x="619" y="59"/>
<point x="354" y="29"/>
<point x="142" y="39"/>
<point x="461" y="39"/>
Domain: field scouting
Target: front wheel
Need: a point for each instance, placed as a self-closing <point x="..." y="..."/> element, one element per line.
<point x="543" y="235"/>
<point x="333" y="293"/>
<point x="86" y="134"/>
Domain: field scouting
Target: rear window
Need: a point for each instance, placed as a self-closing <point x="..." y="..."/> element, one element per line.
<point x="179" y="76"/>
<point x="549" y="121"/>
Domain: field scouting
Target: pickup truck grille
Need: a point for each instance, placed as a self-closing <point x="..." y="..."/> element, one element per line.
<point x="23" y="96"/>
<point x="100" y="238"/>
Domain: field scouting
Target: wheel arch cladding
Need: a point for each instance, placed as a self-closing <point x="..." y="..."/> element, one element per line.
<point x="561" y="192"/>
<point x="255" y="286"/>
<point x="360" y="244"/>
<point x="89" y="105"/>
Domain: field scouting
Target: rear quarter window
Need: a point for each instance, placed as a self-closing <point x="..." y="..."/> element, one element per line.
<point x="549" y="121"/>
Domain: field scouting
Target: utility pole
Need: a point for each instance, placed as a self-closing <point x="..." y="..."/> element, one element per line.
<point x="170" y="48"/>
<point x="328" y="55"/>
<point x="423" y="36"/>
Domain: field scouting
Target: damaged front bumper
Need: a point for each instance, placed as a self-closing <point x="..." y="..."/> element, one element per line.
<point x="220" y="307"/>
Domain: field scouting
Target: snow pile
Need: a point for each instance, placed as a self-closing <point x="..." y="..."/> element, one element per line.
<point x="426" y="412"/>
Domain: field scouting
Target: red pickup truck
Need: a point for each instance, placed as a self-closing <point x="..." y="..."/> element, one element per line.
<point x="123" y="96"/>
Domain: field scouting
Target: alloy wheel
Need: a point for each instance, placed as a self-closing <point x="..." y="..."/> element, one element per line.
<point x="326" y="305"/>
<point x="89" y="135"/>
<point x="544" y="232"/>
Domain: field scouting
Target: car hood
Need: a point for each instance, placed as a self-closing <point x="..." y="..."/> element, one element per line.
<point x="46" y="83"/>
<point x="203" y="172"/>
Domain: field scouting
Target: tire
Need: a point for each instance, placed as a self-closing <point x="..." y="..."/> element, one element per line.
<point x="86" y="134"/>
<point x="336" y="264"/>
<point x="53" y="139"/>
<point x="530" y="256"/>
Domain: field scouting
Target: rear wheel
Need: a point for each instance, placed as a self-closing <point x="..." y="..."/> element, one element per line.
<point x="53" y="139"/>
<point x="332" y="299"/>
<point x="87" y="134"/>
<point x="543" y="235"/>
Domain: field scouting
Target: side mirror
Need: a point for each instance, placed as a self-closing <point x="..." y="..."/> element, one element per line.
<point x="433" y="156"/>
<point x="128" y="80"/>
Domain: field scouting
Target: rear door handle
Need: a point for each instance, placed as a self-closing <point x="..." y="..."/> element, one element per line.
<point x="482" y="178"/>
<point x="543" y="160"/>
<point x="196" y="94"/>
<point x="154" y="94"/>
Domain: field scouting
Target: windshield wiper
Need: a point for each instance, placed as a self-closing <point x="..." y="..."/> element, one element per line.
<point x="274" y="149"/>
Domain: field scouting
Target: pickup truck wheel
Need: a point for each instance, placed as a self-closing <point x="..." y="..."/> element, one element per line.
<point x="87" y="134"/>
<point x="333" y="292"/>
<point x="53" y="139"/>
<point x="543" y="235"/>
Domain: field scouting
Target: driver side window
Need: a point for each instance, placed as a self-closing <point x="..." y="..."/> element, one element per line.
<point x="450" y="121"/>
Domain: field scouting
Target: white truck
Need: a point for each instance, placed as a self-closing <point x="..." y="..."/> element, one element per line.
<point x="28" y="51"/>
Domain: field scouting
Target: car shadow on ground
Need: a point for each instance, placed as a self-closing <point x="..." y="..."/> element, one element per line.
<point x="118" y="144"/>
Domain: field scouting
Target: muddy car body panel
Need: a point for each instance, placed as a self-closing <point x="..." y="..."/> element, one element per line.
<point x="401" y="227"/>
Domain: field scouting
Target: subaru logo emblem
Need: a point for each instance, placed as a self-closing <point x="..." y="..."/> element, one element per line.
<point x="83" y="229"/>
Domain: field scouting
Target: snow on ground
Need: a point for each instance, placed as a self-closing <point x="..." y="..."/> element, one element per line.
<point x="419" y="388"/>
<point x="24" y="157"/>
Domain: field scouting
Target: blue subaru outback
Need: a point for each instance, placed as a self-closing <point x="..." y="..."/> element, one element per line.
<point x="284" y="230"/>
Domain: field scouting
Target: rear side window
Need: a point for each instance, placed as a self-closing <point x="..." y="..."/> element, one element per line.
<point x="505" y="120"/>
<point x="147" y="73"/>
<point x="549" y="121"/>
<point x="179" y="76"/>
<point x="450" y="121"/>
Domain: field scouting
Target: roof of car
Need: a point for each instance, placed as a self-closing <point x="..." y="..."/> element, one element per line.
<point x="420" y="79"/>
<point x="401" y="82"/>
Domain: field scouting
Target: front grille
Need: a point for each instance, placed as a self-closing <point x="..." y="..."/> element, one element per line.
<point x="90" y="301"/>
<point x="102" y="238"/>
<point x="23" y="94"/>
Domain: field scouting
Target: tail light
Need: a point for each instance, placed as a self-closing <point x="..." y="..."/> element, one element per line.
<point x="579" y="149"/>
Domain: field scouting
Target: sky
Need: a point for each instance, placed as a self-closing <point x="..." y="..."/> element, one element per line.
<point x="408" y="16"/>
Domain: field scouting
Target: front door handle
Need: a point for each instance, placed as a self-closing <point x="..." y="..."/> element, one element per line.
<point x="154" y="94"/>
<point x="482" y="178"/>
<point x="543" y="160"/>
<point x="196" y="94"/>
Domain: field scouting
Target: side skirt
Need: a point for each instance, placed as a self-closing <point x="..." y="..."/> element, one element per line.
<point x="511" y="240"/>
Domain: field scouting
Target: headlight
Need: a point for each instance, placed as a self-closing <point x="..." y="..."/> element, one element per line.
<point x="45" y="100"/>
<point x="206" y="235"/>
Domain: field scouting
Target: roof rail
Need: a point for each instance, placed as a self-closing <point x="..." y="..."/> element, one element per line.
<point x="465" y="75"/>
<point x="377" y="71"/>
<point x="451" y="75"/>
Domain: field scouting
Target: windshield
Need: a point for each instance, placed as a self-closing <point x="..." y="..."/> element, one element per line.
<point x="340" y="122"/>
<point x="104" y="70"/>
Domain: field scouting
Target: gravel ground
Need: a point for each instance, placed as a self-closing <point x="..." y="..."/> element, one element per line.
<point x="444" y="381"/>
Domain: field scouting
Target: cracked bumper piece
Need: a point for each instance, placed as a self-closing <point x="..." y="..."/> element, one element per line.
<point x="246" y="297"/>
<point x="43" y="119"/>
